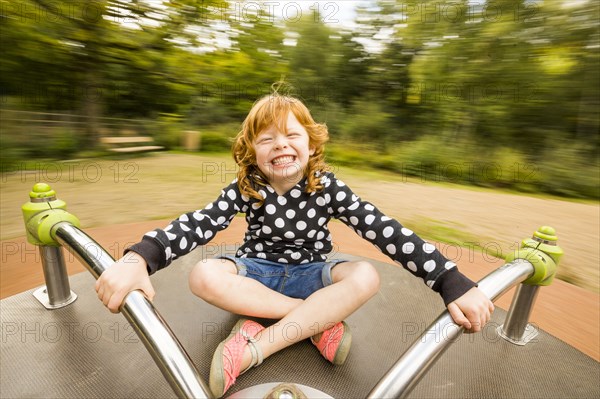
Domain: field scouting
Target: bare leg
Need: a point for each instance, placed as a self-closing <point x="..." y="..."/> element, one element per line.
<point x="354" y="284"/>
<point x="216" y="281"/>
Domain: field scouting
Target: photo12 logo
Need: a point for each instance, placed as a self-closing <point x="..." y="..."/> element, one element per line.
<point x="429" y="12"/>
<point x="72" y="171"/>
<point x="272" y="11"/>
<point x="53" y="332"/>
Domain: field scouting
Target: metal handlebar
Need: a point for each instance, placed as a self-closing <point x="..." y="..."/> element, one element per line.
<point x="167" y="352"/>
<point x="416" y="361"/>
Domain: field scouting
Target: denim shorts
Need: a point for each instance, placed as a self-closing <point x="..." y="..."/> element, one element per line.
<point x="296" y="281"/>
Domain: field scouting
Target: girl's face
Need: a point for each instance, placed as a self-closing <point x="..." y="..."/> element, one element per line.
<point x="283" y="156"/>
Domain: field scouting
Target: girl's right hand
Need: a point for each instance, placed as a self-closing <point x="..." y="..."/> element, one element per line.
<point x="128" y="274"/>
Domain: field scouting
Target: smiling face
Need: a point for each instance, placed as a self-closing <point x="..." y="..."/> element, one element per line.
<point x="282" y="153"/>
<point x="293" y="132"/>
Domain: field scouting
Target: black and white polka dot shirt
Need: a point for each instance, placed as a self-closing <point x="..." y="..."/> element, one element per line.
<point x="292" y="229"/>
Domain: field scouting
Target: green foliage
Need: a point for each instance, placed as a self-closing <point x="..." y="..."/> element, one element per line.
<point x="474" y="93"/>
<point x="207" y="111"/>
<point x="168" y="131"/>
<point x="568" y="171"/>
<point x="64" y="144"/>
<point x="348" y="154"/>
<point x="454" y="234"/>
<point x="565" y="172"/>
<point x="369" y="122"/>
<point x="54" y="143"/>
<point x="332" y="115"/>
<point x="218" y="138"/>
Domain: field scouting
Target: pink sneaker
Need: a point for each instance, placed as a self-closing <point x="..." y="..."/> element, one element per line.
<point x="226" y="362"/>
<point x="334" y="343"/>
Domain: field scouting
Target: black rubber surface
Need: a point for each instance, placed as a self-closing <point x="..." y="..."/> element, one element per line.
<point x="84" y="351"/>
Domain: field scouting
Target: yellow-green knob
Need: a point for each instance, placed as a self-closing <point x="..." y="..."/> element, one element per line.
<point x="545" y="233"/>
<point x="42" y="190"/>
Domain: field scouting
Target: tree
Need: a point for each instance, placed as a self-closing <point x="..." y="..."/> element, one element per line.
<point x="122" y="55"/>
<point x="313" y="59"/>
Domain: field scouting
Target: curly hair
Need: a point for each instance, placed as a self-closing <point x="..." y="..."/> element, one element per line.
<point x="269" y="110"/>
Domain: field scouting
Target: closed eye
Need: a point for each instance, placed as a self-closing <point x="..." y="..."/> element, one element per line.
<point x="264" y="140"/>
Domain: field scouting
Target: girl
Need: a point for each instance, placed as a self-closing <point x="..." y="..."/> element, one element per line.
<point x="282" y="271"/>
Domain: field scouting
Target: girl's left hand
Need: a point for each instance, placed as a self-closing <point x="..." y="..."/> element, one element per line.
<point x="472" y="310"/>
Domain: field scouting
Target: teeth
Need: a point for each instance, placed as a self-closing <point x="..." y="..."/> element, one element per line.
<point x="283" y="160"/>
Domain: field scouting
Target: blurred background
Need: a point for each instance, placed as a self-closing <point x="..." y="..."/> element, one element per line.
<point x="403" y="85"/>
<point x="501" y="94"/>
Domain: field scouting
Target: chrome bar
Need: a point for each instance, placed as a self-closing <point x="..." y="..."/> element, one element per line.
<point x="416" y="361"/>
<point x="516" y="328"/>
<point x="57" y="292"/>
<point x="169" y="355"/>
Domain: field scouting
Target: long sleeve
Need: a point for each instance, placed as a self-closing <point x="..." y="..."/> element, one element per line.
<point x="161" y="246"/>
<point x="419" y="257"/>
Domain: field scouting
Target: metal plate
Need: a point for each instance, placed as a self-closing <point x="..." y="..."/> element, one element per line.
<point x="260" y="391"/>
<point x="41" y="294"/>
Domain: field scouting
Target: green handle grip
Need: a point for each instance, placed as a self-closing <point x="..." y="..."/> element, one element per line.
<point x="42" y="213"/>
<point x="542" y="252"/>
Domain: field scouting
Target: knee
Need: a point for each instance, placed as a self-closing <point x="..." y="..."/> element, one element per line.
<point x="202" y="280"/>
<point x="366" y="278"/>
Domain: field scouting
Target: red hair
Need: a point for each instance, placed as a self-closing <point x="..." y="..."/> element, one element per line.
<point x="269" y="110"/>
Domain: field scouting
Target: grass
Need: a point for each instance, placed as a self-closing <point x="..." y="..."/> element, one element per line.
<point x="385" y="175"/>
<point x="454" y="233"/>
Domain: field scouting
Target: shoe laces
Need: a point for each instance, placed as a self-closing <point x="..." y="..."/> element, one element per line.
<point x="330" y="341"/>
